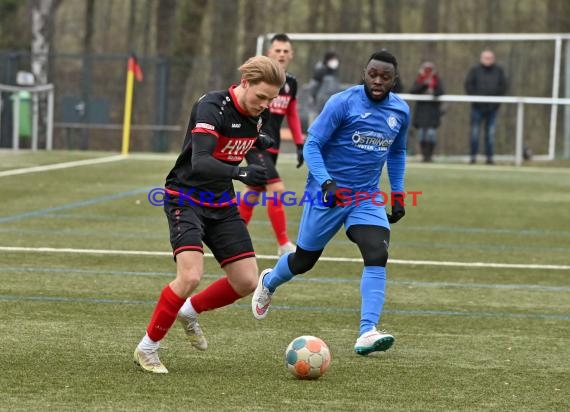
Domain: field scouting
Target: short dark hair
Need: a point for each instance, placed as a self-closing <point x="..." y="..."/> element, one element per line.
<point x="331" y="54"/>
<point x="384" y="56"/>
<point x="280" y="37"/>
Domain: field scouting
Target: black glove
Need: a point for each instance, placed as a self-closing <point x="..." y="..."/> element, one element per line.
<point x="300" y="158"/>
<point x="264" y="141"/>
<point x="251" y="175"/>
<point x="398" y="210"/>
<point x="329" y="198"/>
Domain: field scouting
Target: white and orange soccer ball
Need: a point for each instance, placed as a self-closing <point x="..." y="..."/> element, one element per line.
<point x="307" y="357"/>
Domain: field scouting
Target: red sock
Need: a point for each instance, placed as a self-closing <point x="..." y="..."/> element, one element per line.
<point x="245" y="210"/>
<point x="278" y="220"/>
<point x="164" y="315"/>
<point x="218" y="294"/>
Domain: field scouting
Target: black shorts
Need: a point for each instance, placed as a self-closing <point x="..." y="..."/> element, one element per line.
<point x="267" y="160"/>
<point x="221" y="228"/>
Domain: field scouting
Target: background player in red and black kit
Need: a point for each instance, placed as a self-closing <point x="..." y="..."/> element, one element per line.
<point x="224" y="126"/>
<point x="285" y="105"/>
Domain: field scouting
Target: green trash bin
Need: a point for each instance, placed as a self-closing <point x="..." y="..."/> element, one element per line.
<point x="25" y="109"/>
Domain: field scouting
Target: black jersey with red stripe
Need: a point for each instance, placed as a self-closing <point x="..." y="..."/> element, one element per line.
<point x="278" y="109"/>
<point x="216" y="113"/>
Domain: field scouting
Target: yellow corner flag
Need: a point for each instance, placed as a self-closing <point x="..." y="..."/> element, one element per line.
<point x="133" y="71"/>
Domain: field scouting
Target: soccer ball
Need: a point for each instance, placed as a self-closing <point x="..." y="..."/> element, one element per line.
<point x="307" y="357"/>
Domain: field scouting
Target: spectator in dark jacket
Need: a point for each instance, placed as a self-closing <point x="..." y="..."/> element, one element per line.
<point x="485" y="79"/>
<point x="427" y="114"/>
<point x="324" y="82"/>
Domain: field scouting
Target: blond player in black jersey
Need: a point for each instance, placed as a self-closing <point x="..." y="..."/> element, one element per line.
<point x="200" y="206"/>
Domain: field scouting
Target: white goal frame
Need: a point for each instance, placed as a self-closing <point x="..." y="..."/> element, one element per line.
<point x="554" y="101"/>
<point x="35" y="92"/>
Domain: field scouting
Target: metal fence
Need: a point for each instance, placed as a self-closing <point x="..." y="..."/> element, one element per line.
<point x="89" y="101"/>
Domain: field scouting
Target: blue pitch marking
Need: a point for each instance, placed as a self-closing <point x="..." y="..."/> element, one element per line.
<point x="83" y="203"/>
<point x="106" y="218"/>
<point x="91" y="233"/>
<point x="412" y="312"/>
<point x="294" y="223"/>
<point x="356" y="279"/>
<point x="4" y="298"/>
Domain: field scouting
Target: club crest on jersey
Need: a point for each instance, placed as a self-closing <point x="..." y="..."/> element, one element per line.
<point x="392" y="122"/>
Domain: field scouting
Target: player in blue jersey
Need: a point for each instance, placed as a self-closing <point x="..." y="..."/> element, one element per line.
<point x="358" y="131"/>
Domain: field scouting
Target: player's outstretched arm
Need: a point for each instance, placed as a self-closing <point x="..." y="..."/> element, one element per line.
<point x="314" y="158"/>
<point x="396" y="173"/>
<point x="396" y="160"/>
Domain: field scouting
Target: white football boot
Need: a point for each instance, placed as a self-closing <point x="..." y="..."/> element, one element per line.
<point x="373" y="341"/>
<point x="261" y="299"/>
<point x="149" y="361"/>
<point x="193" y="331"/>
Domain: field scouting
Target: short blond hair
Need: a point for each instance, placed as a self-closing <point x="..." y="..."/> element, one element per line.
<point x="262" y="69"/>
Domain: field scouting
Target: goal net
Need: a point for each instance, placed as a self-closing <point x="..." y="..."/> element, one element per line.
<point x="533" y="115"/>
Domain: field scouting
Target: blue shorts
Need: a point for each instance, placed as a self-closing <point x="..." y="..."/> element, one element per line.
<point x="319" y="223"/>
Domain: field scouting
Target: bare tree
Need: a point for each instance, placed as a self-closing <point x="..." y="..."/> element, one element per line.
<point x="131" y="26"/>
<point x="224" y="44"/>
<point x="165" y="12"/>
<point x="430" y="24"/>
<point x="182" y="47"/>
<point x="89" y="17"/>
<point x="107" y="13"/>
<point x="86" y="77"/>
<point x="392" y="16"/>
<point x="43" y="12"/>
<point x="146" y="26"/>
<point x="494" y="14"/>
<point x="252" y="26"/>
<point x="393" y="21"/>
<point x="374" y="22"/>
<point x="313" y="21"/>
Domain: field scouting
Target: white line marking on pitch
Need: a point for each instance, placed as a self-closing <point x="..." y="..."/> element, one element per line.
<point x="323" y="258"/>
<point x="65" y="165"/>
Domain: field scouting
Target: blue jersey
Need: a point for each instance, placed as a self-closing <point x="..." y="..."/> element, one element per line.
<point x="353" y="137"/>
